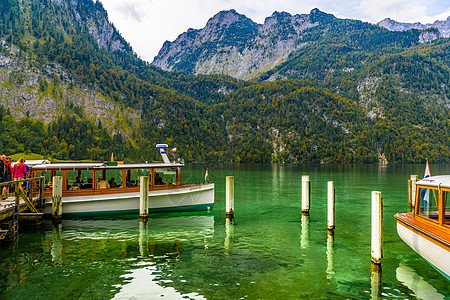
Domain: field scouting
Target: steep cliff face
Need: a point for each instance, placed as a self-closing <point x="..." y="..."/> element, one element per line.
<point x="232" y="44"/>
<point x="93" y="16"/>
<point x="442" y="26"/>
<point x="43" y="93"/>
<point x="33" y="84"/>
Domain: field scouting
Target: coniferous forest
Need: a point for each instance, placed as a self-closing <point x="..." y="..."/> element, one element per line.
<point x="395" y="101"/>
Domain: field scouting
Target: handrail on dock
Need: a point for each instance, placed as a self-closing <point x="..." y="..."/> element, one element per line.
<point x="17" y="188"/>
<point x="30" y="190"/>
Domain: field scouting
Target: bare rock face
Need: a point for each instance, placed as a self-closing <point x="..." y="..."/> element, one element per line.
<point x="22" y="92"/>
<point x="442" y="26"/>
<point x="104" y="35"/>
<point x="96" y="20"/>
<point x="429" y="36"/>
<point x="232" y="44"/>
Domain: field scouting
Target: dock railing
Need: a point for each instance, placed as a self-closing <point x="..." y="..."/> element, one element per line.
<point x="30" y="190"/>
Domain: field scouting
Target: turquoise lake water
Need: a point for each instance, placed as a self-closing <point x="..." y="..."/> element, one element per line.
<point x="269" y="252"/>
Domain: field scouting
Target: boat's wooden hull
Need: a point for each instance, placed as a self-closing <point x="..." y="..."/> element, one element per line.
<point x="432" y="247"/>
<point x="190" y="198"/>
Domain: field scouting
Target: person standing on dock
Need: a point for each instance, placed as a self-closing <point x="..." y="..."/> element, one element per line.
<point x="3" y="173"/>
<point x="9" y="168"/>
<point x="20" y="171"/>
<point x="9" y="171"/>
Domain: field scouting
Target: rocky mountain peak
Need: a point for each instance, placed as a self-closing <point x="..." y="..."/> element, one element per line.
<point x="442" y="26"/>
<point x="225" y="18"/>
<point x="280" y="23"/>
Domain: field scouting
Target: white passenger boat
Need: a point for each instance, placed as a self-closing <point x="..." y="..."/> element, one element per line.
<point x="92" y="189"/>
<point x="427" y="228"/>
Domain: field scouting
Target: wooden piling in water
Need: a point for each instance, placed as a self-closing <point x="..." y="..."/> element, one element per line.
<point x="57" y="197"/>
<point x="331" y="208"/>
<point x="306" y="195"/>
<point x="412" y="190"/>
<point x="143" y="199"/>
<point x="377" y="228"/>
<point x="229" y="205"/>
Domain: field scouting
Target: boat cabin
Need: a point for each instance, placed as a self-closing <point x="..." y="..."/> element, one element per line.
<point x="433" y="200"/>
<point x="108" y="177"/>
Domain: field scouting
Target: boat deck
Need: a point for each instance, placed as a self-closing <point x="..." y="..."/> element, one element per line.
<point x="426" y="226"/>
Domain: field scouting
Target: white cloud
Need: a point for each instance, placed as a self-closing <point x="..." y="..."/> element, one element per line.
<point x="399" y="10"/>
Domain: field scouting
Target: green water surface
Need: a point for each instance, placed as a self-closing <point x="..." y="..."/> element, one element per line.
<point x="269" y="252"/>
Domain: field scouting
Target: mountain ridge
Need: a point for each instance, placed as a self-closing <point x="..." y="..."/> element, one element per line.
<point x="442" y="25"/>
<point x="260" y="47"/>
<point x="171" y="54"/>
<point x="349" y="91"/>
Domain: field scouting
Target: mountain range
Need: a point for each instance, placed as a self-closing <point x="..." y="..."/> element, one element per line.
<point x="233" y="44"/>
<point x="302" y="88"/>
<point x="442" y="26"/>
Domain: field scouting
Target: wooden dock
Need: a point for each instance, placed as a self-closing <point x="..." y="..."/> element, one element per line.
<point x="23" y="201"/>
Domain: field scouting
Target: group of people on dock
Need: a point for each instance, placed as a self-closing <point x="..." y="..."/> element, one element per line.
<point x="8" y="172"/>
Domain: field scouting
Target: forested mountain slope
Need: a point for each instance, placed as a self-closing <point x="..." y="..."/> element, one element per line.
<point x="72" y="88"/>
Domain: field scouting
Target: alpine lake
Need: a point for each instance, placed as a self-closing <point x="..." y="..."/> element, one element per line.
<point x="269" y="251"/>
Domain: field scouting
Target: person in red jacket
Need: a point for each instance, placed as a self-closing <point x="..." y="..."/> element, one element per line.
<point x="20" y="170"/>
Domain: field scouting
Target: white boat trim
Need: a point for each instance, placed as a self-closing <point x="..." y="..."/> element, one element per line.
<point x="435" y="255"/>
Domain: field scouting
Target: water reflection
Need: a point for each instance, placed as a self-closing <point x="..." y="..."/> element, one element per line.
<point x="330" y="255"/>
<point x="304" y="239"/>
<point x="420" y="288"/>
<point x="143" y="238"/>
<point x="375" y="282"/>
<point x="57" y="246"/>
<point x="138" y="251"/>
<point x="142" y="283"/>
<point x="229" y="234"/>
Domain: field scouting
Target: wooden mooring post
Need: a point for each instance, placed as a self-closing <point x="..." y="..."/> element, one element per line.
<point x="229" y="205"/>
<point x="57" y="197"/>
<point x="331" y="208"/>
<point x="377" y="229"/>
<point x="143" y="198"/>
<point x="412" y="190"/>
<point x="306" y="195"/>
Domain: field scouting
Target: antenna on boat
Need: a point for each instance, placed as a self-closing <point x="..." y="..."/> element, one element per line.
<point x="162" y="150"/>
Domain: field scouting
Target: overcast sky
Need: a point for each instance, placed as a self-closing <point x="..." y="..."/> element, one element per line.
<point x="147" y="24"/>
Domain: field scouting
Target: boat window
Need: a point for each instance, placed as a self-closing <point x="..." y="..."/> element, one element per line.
<point x="447" y="207"/>
<point x="114" y="178"/>
<point x="165" y="176"/>
<point x="133" y="176"/>
<point x="79" y="179"/>
<point x="428" y="201"/>
<point x="48" y="175"/>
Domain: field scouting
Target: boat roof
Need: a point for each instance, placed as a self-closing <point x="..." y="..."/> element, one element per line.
<point x="87" y="166"/>
<point x="435" y="181"/>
